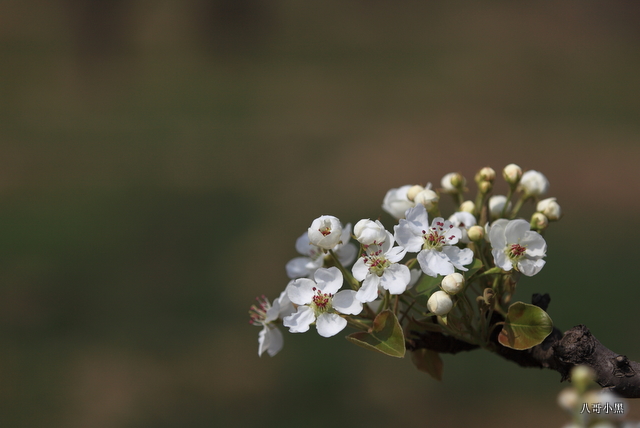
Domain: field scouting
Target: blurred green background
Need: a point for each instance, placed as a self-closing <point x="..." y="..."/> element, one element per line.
<point x="158" y="159"/>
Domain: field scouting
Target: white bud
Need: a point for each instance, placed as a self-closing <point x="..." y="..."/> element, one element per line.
<point x="325" y="232"/>
<point x="368" y="232"/>
<point x="475" y="233"/>
<point x="413" y="191"/>
<point x="512" y="173"/>
<point x="568" y="399"/>
<point x="428" y="198"/>
<point x="550" y="208"/>
<point x="440" y="303"/>
<point x="467" y="207"/>
<point x="539" y="221"/>
<point x="452" y="182"/>
<point x="452" y="283"/>
<point x="496" y="205"/>
<point x="486" y="174"/>
<point x="533" y="183"/>
<point x="582" y="376"/>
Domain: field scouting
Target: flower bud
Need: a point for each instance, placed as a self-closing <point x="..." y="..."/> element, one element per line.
<point x="413" y="191"/>
<point x="440" y="303"/>
<point x="452" y="283"/>
<point x="368" y="232"/>
<point x="325" y="232"/>
<point x="485" y="174"/>
<point x="428" y="198"/>
<point x="539" y="221"/>
<point x="582" y="376"/>
<point x="512" y="174"/>
<point x="452" y="182"/>
<point x="533" y="183"/>
<point x="485" y="186"/>
<point x="496" y="205"/>
<point x="468" y="207"/>
<point x="550" y="208"/>
<point x="475" y="233"/>
<point x="568" y="399"/>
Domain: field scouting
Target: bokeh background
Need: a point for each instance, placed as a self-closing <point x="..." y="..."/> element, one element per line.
<point x="158" y="159"/>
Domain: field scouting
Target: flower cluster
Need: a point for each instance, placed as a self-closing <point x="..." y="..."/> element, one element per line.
<point x="440" y="273"/>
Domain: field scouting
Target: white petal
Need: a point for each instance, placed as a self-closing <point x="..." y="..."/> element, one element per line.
<point x="347" y="253"/>
<point x="345" y="302"/>
<point x="302" y="267"/>
<point x="496" y="234"/>
<point x="270" y="340"/>
<point x="303" y="246"/>
<point x="360" y="269"/>
<point x="369" y="290"/>
<point x="328" y="280"/>
<point x="395" y="254"/>
<point x="435" y="263"/>
<point x="330" y="324"/>
<point x="301" y="291"/>
<point x="515" y="230"/>
<point x="530" y="267"/>
<point x="407" y="238"/>
<point x="501" y="260"/>
<point x="396" y="278"/>
<point x="535" y="243"/>
<point x="459" y="257"/>
<point x="300" y="321"/>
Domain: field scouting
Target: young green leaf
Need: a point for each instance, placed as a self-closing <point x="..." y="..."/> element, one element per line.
<point x="385" y="336"/>
<point x="525" y="326"/>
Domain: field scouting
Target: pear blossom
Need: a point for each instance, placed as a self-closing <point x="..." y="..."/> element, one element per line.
<point x="515" y="246"/>
<point x="313" y="257"/>
<point x="396" y="201"/>
<point x="463" y="221"/>
<point x="320" y="301"/>
<point x="534" y="183"/>
<point x="435" y="244"/>
<point x="378" y="267"/>
<point x="325" y="232"/>
<point x="264" y="314"/>
<point x="452" y="283"/>
<point x="369" y="232"/>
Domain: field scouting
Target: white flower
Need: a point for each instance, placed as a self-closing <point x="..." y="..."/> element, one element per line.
<point x="496" y="205"/>
<point x="463" y="220"/>
<point x="514" y="245"/>
<point x="440" y="303"/>
<point x="396" y="201"/>
<point x="435" y="244"/>
<point x="369" y="232"/>
<point x="314" y="256"/>
<point x="533" y="183"/>
<point x="264" y="314"/>
<point x="318" y="302"/>
<point x="550" y="208"/>
<point x="325" y="232"/>
<point x="378" y="267"/>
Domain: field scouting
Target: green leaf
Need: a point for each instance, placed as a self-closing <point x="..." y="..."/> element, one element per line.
<point x="475" y="267"/>
<point x="428" y="283"/>
<point x="428" y="361"/>
<point x="385" y="336"/>
<point x="525" y="326"/>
